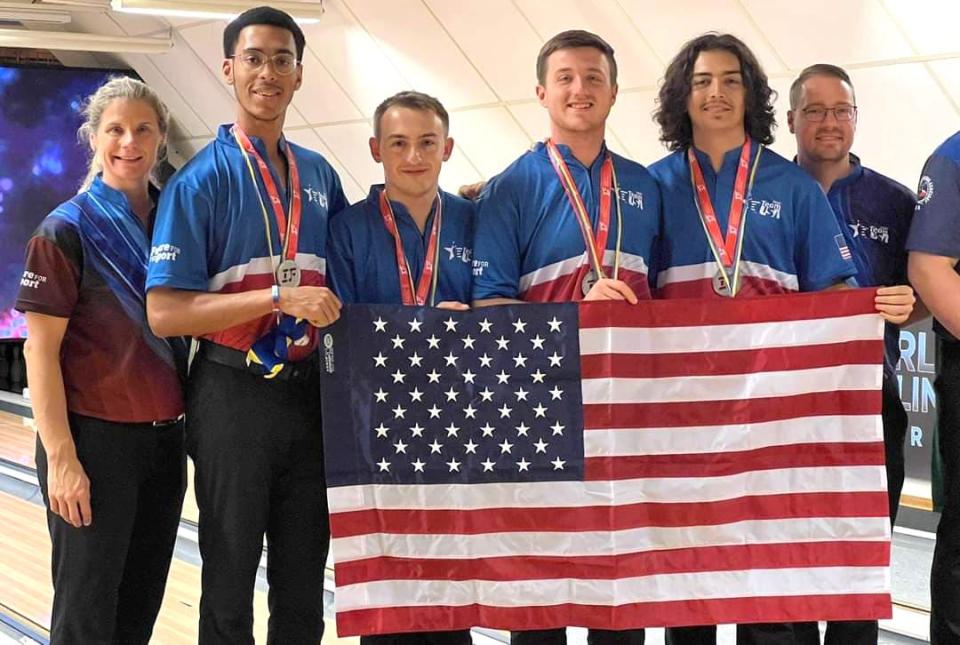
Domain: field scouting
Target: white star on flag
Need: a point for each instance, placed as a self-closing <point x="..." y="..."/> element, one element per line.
<point x="485" y="326"/>
<point x="384" y="465"/>
<point x="415" y="325"/>
<point x="468" y="342"/>
<point x="417" y="430"/>
<point x="555" y="324"/>
<point x="506" y="446"/>
<point x="398" y="376"/>
<point x="487" y="465"/>
<point x="435" y="447"/>
<point x="380" y="360"/>
<point x="450" y="324"/>
<point x="381" y="395"/>
<point x="541" y="445"/>
<point x="454" y="465"/>
<point x="537" y="342"/>
<point x="397" y="341"/>
<point x="401" y="447"/>
<point x="540" y="411"/>
<point x="380" y="325"/>
<point x="433" y="342"/>
<point x="418" y="465"/>
<point x="416" y="395"/>
<point x="398" y="412"/>
<point x="523" y="464"/>
<point x="502" y="343"/>
<point x="381" y="430"/>
<point x="555" y="360"/>
<point x="519" y="327"/>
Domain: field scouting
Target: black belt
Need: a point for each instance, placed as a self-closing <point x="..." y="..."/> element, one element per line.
<point x="293" y="372"/>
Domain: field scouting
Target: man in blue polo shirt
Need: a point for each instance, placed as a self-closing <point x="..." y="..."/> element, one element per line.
<point x="742" y="219"/>
<point x="874" y="214"/>
<point x="569" y="220"/>
<point x="934" y="245"/>
<point x="238" y="262"/>
<point x="408" y="242"/>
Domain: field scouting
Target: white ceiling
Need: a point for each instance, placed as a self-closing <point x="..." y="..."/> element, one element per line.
<point x="477" y="56"/>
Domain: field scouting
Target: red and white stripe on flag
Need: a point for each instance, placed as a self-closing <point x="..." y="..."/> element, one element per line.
<point x="734" y="472"/>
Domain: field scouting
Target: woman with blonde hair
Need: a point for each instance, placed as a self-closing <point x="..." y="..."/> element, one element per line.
<point x="105" y="391"/>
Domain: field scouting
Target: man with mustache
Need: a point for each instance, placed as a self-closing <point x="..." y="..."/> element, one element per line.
<point x="741" y="220"/>
<point x="238" y="262"/>
<point x="569" y="220"/>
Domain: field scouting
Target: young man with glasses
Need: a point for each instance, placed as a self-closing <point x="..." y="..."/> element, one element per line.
<point x="238" y="262"/>
<point x="874" y="213"/>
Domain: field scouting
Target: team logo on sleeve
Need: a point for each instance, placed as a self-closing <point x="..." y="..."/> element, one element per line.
<point x="925" y="192"/>
<point x="164" y="253"/>
<point x="31" y="280"/>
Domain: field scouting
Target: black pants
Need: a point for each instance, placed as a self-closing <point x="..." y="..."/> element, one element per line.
<point x="594" y="637"/>
<point x="848" y="632"/>
<point x="258" y="451"/>
<point x="108" y="578"/>
<point x="457" y="637"/>
<point x="945" y="575"/>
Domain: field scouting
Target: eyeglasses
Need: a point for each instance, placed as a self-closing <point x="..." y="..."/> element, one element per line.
<point x="841" y="112"/>
<point x="283" y="63"/>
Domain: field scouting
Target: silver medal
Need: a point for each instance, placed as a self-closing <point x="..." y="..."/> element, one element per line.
<point x="288" y="274"/>
<point x="721" y="286"/>
<point x="588" y="281"/>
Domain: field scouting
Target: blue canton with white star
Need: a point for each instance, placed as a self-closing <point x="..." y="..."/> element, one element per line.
<point x="427" y="396"/>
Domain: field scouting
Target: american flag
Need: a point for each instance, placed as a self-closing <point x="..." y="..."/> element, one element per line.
<point x="606" y="465"/>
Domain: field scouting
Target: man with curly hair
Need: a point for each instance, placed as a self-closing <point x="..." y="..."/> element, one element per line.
<point x="740" y="219"/>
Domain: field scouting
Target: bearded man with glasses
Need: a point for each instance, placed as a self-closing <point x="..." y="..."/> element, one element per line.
<point x="874" y="213"/>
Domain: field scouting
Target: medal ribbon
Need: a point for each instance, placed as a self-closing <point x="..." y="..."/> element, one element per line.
<point x="726" y="251"/>
<point x="595" y="242"/>
<point x="289" y="228"/>
<point x="415" y="295"/>
<point x="725" y="248"/>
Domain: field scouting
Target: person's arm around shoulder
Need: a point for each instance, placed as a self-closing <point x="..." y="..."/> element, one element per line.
<point x="68" y="487"/>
